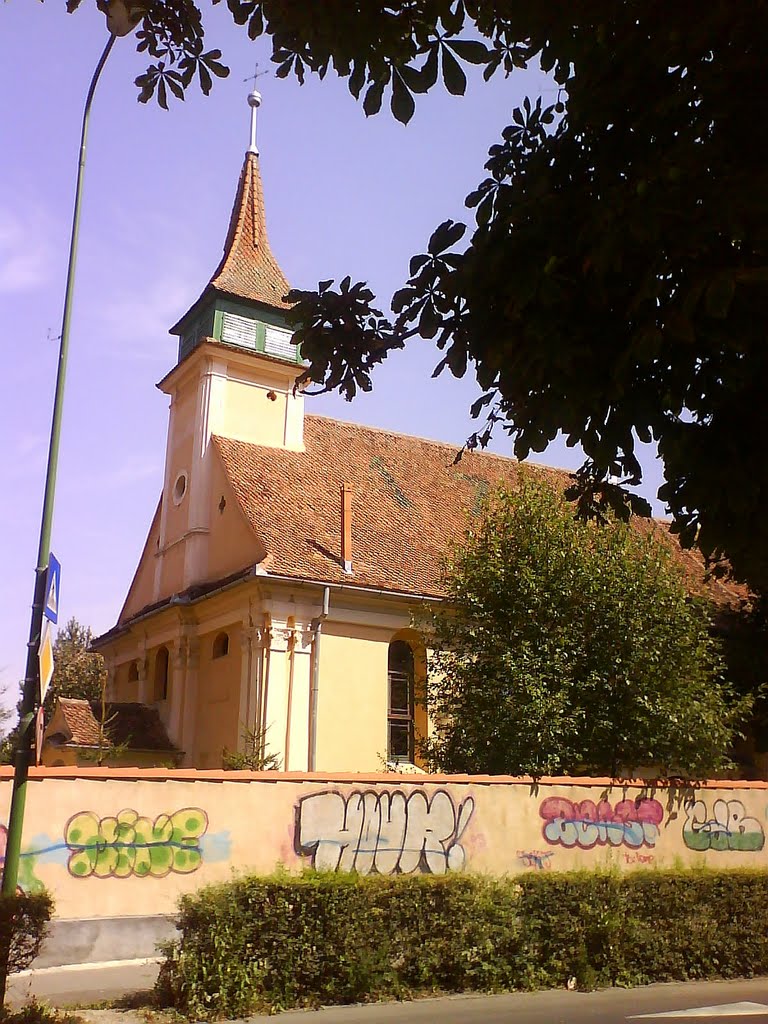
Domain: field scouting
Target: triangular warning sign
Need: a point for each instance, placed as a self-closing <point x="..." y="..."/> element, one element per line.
<point x="52" y="589"/>
<point x="52" y="601"/>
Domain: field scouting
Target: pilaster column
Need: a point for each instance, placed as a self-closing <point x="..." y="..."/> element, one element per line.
<point x="257" y="678"/>
<point x="109" y="685"/>
<point x="177" y="664"/>
<point x="299" y="721"/>
<point x="247" y="634"/>
<point x="142" y="688"/>
<point x="275" y="690"/>
<point x="189" y="715"/>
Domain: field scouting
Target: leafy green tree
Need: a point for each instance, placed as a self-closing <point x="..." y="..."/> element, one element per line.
<point x="78" y="672"/>
<point x="568" y="647"/>
<point x="614" y="285"/>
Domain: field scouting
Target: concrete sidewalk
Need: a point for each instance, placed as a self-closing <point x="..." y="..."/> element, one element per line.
<point x="83" y="983"/>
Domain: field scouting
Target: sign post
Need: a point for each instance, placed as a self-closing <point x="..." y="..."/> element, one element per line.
<point x="23" y="753"/>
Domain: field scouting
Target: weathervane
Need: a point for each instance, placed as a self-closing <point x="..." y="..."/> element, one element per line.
<point x="254" y="102"/>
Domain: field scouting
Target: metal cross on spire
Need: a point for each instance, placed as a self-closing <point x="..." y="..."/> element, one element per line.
<point x="254" y="102"/>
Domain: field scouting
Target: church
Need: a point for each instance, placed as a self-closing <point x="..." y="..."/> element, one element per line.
<point x="273" y="599"/>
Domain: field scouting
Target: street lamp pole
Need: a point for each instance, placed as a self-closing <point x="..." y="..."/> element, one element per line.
<point x="23" y="754"/>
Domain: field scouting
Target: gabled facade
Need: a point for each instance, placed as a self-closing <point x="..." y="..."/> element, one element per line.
<point x="274" y="594"/>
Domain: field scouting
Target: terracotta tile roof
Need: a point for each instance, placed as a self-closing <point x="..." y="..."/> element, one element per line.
<point x="410" y="502"/>
<point x="248" y="270"/>
<point x="136" y="725"/>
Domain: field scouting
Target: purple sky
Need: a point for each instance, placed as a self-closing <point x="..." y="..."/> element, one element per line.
<point x="344" y="194"/>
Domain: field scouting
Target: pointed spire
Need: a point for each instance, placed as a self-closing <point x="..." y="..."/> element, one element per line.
<point x="248" y="270"/>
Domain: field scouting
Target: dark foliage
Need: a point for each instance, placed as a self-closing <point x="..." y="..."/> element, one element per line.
<point x="23" y="922"/>
<point x="614" y="286"/>
<point x="567" y="647"/>
<point x="273" y="943"/>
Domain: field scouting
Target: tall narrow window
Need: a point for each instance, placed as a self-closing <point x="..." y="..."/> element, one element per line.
<point x="133" y="672"/>
<point x="400" y="743"/>
<point x="161" y="674"/>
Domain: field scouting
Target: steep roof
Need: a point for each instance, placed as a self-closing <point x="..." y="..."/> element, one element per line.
<point x="76" y="723"/>
<point x="411" y="500"/>
<point x="248" y="269"/>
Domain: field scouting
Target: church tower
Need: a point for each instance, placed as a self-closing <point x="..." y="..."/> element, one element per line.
<point x="234" y="378"/>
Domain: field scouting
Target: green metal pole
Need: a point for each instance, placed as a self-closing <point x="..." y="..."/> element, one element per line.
<point x="29" y="702"/>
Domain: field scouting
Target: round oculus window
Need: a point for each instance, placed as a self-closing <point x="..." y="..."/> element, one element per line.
<point x="179" y="488"/>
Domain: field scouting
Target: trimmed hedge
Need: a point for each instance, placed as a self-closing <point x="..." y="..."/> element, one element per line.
<point x="23" y="921"/>
<point x="271" y="943"/>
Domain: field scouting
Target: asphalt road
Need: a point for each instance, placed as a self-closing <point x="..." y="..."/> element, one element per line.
<point x="689" y="1003"/>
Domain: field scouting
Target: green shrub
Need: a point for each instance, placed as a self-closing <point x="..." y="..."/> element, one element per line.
<point x="267" y="943"/>
<point x="37" y="1013"/>
<point x="23" y="921"/>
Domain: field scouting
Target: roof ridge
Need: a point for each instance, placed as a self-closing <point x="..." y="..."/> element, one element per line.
<point x="481" y="453"/>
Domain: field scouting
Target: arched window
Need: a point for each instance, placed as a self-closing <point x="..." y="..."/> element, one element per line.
<point x="401" y="676"/>
<point x="220" y="646"/>
<point x="133" y="672"/>
<point x="161" y="674"/>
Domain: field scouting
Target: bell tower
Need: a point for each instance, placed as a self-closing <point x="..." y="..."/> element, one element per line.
<point x="235" y="377"/>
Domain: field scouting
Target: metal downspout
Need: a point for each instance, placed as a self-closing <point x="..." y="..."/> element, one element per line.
<point x="317" y="625"/>
<point x="289" y="702"/>
<point x="264" y="687"/>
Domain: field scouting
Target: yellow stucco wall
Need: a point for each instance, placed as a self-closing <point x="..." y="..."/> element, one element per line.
<point x="247" y="413"/>
<point x="232" y="544"/>
<point x="352" y="699"/>
<point x="218" y="699"/>
<point x="123" y="688"/>
<point x="56" y="757"/>
<point x="140" y="593"/>
<point x="370" y="822"/>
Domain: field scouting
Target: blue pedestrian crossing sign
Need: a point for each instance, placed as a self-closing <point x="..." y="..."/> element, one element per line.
<point x="52" y="588"/>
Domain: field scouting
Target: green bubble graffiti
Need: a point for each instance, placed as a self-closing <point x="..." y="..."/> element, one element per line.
<point x="128" y="845"/>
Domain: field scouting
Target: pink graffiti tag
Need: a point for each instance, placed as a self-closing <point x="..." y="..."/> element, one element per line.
<point x="587" y="824"/>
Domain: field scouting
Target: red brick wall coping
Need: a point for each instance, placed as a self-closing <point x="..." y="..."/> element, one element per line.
<point x="361" y="778"/>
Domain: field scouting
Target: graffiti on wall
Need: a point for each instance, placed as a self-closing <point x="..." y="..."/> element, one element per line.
<point x="539" y="860"/>
<point x="587" y="824"/>
<point x="123" y="845"/>
<point x="727" y="827"/>
<point x="127" y="844"/>
<point x="383" y="832"/>
<point x="27" y="879"/>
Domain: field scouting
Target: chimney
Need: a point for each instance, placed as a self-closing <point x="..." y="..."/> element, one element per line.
<point x="347" y="490"/>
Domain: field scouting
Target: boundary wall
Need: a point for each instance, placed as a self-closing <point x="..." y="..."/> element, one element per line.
<point x="118" y="846"/>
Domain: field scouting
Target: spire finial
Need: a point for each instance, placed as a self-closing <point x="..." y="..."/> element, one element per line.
<point x="254" y="102"/>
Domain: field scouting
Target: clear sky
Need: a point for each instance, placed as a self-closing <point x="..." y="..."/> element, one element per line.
<point x="344" y="194"/>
